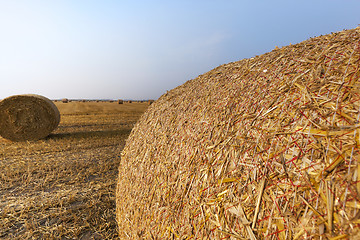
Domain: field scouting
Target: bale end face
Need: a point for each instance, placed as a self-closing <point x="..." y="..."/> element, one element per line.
<point x="27" y="117"/>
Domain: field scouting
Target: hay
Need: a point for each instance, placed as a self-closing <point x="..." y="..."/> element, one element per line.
<point x="120" y="101"/>
<point x="27" y="117"/>
<point x="262" y="148"/>
<point x="65" y="100"/>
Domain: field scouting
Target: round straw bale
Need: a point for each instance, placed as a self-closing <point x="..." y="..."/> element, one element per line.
<point x="65" y="100"/>
<point x="27" y="117"/>
<point x="120" y="101"/>
<point x="262" y="148"/>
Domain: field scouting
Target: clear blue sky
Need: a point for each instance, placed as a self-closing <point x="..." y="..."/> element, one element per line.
<point x="137" y="49"/>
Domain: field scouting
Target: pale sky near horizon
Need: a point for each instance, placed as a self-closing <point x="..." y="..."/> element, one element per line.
<point x="139" y="49"/>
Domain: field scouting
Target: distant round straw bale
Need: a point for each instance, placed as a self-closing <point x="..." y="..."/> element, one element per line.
<point x="244" y="153"/>
<point x="120" y="101"/>
<point x="27" y="117"/>
<point x="65" y="100"/>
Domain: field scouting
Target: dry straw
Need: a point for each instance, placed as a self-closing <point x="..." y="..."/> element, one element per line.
<point x="27" y="117"/>
<point x="120" y="101"/>
<point x="262" y="148"/>
<point x="65" y="100"/>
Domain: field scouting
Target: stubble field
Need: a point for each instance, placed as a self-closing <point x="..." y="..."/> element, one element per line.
<point x="63" y="187"/>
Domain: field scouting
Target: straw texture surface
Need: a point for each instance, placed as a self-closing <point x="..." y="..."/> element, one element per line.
<point x="262" y="148"/>
<point x="27" y="117"/>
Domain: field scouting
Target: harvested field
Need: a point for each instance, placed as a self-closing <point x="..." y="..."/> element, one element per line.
<point x="63" y="186"/>
<point x="262" y="148"/>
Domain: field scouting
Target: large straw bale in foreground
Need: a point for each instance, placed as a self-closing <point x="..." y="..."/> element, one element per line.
<point x="264" y="148"/>
<point x="27" y="117"/>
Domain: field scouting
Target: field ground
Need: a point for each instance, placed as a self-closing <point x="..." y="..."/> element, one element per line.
<point x="63" y="187"/>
